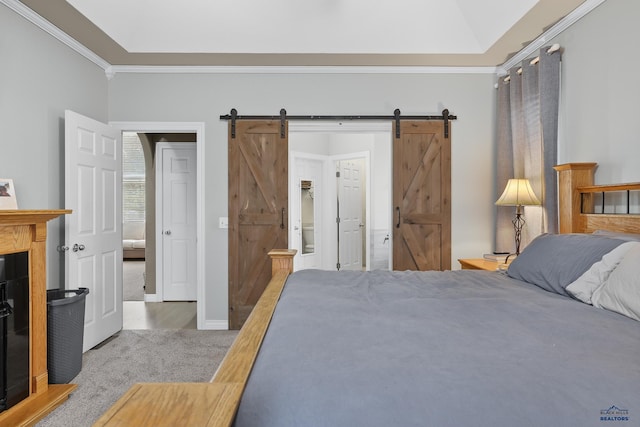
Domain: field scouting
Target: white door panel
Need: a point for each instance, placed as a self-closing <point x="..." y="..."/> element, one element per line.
<point x="93" y="232"/>
<point x="177" y="221"/>
<point x="351" y="213"/>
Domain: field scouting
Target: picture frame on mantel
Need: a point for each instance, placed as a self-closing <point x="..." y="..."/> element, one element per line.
<point x="7" y="194"/>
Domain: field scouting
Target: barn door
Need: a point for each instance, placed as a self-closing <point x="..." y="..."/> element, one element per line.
<point x="258" y="203"/>
<point x="422" y="197"/>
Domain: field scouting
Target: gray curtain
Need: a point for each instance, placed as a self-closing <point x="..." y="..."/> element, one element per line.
<point x="527" y="145"/>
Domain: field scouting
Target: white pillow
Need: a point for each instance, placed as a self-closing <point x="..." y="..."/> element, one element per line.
<point x="582" y="288"/>
<point x="621" y="292"/>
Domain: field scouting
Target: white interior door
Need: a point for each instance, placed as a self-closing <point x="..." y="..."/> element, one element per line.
<point x="177" y="221"/>
<point x="93" y="232"/>
<point x="350" y="213"/>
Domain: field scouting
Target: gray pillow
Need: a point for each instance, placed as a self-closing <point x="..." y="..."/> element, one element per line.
<point x="553" y="261"/>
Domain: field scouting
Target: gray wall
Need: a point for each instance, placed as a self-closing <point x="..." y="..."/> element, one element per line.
<point x="40" y="78"/>
<point x="204" y="97"/>
<point x="601" y="91"/>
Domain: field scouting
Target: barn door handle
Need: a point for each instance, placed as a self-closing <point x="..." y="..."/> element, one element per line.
<point x="282" y="219"/>
<point x="398" y="211"/>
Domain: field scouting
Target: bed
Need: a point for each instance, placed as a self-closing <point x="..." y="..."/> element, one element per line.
<point x="553" y="341"/>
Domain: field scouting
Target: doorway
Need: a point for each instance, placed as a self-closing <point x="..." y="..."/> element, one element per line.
<point x="152" y="312"/>
<point x="133" y="218"/>
<point x="335" y="145"/>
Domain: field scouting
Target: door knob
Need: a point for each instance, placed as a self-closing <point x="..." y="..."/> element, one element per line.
<point x="76" y="247"/>
<point x="168" y="232"/>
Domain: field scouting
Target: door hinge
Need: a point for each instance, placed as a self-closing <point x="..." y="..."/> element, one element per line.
<point x="337" y="174"/>
<point x="337" y="220"/>
<point x="338" y="266"/>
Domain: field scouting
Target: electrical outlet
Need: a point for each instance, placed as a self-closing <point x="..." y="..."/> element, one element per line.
<point x="223" y="222"/>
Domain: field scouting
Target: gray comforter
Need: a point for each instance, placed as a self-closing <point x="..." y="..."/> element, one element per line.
<point x="455" y="348"/>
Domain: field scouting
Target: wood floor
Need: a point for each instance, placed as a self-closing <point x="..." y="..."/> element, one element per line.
<point x="138" y="314"/>
<point x="159" y="315"/>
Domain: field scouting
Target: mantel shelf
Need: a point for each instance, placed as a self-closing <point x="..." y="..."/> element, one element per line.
<point x="30" y="216"/>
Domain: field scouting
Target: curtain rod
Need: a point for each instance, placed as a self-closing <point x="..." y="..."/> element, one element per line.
<point x="397" y="117"/>
<point x="553" y="48"/>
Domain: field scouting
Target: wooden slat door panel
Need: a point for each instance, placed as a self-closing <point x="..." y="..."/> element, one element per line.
<point x="422" y="197"/>
<point x="258" y="203"/>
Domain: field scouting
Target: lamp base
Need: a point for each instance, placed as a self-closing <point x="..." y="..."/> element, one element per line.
<point x="518" y="222"/>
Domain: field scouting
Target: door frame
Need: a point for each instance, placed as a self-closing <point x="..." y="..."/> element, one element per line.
<point x="197" y="128"/>
<point x="346" y="127"/>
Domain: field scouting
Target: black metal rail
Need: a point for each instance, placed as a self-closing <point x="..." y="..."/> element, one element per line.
<point x="397" y="117"/>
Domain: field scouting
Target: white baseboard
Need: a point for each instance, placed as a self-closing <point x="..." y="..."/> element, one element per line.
<point x="218" y="325"/>
<point x="151" y="298"/>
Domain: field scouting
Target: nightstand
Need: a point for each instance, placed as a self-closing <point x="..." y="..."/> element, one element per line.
<point x="478" y="264"/>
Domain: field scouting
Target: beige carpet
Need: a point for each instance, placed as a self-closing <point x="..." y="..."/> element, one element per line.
<point x="133" y="280"/>
<point x="132" y="356"/>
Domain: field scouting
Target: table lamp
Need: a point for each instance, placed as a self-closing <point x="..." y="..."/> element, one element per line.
<point x="518" y="193"/>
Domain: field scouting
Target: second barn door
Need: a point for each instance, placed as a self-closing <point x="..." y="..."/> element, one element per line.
<point x="258" y="203"/>
<point x="422" y="197"/>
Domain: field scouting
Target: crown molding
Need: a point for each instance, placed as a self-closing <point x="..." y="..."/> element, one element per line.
<point x="151" y="69"/>
<point x="533" y="47"/>
<point x="54" y="31"/>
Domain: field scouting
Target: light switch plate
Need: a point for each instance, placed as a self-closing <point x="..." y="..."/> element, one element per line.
<point x="223" y="222"/>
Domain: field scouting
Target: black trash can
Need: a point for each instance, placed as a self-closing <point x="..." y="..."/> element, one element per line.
<point x="65" y="330"/>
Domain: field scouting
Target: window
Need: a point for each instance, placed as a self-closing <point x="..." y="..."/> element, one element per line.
<point x="133" y="182"/>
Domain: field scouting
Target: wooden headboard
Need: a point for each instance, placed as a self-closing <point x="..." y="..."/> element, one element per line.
<point x="575" y="196"/>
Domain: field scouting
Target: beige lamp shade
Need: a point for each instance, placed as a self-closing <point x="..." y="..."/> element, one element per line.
<point x="518" y="192"/>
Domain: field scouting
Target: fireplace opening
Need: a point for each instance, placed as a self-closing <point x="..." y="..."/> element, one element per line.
<point x="14" y="329"/>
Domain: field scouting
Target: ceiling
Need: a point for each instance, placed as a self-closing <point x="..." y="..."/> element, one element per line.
<point x="302" y="32"/>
